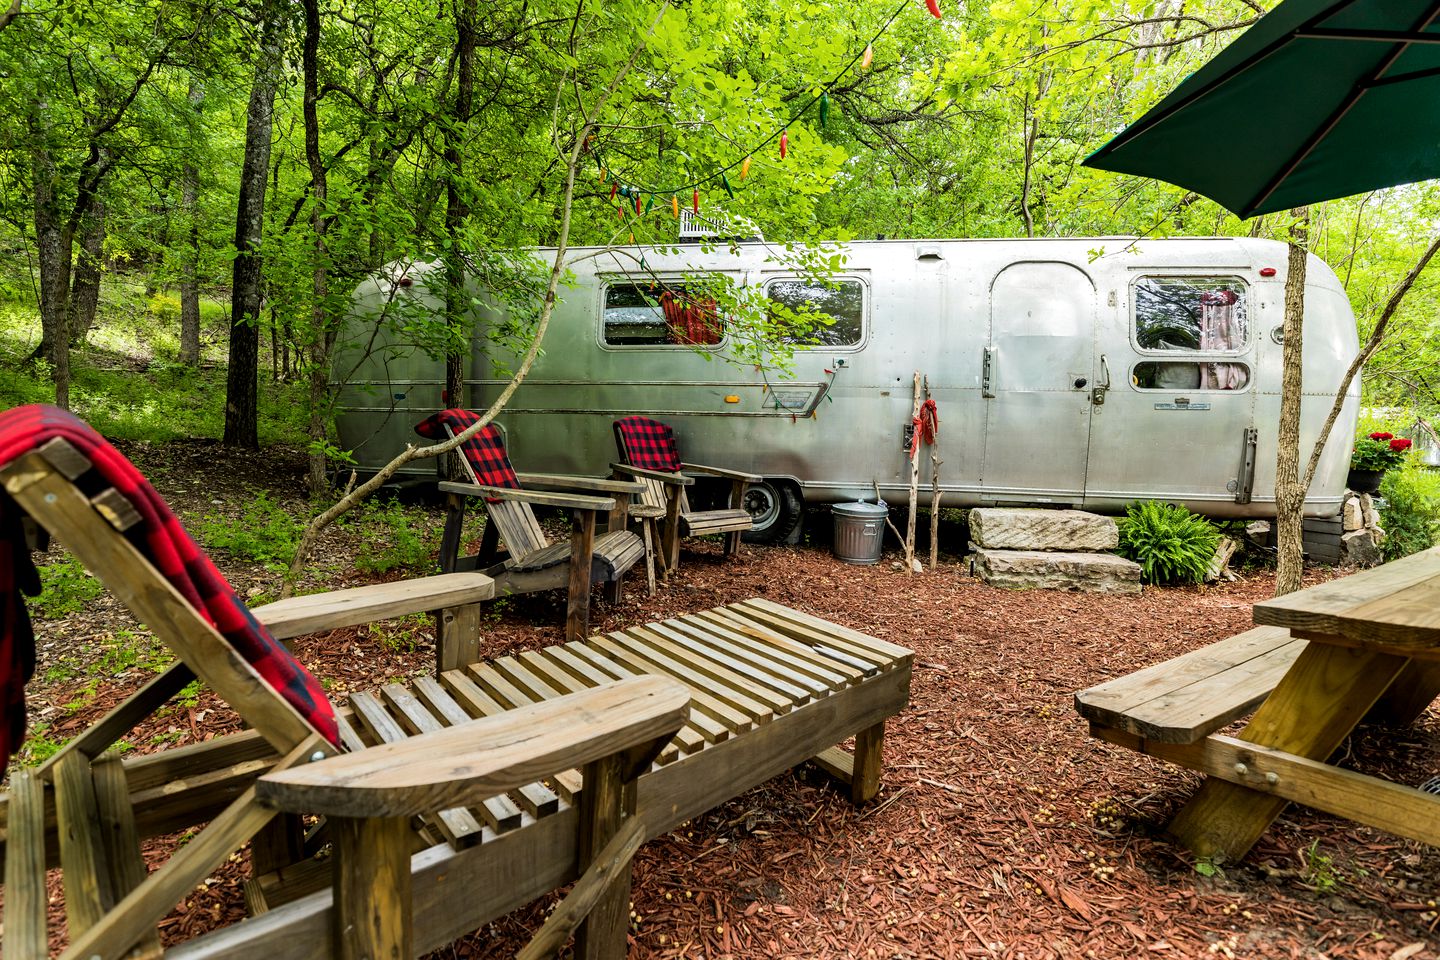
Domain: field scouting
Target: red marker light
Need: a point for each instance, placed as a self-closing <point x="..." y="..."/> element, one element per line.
<point x="1267" y="271"/>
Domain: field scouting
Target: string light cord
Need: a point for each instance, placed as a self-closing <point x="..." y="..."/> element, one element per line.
<point x="719" y="173"/>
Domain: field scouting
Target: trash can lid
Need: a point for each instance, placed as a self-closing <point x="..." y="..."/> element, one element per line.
<point x="861" y="509"/>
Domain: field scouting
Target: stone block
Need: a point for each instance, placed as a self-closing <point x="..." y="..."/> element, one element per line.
<point x="1370" y="517"/>
<point x="1005" y="528"/>
<point x="1054" y="570"/>
<point x="1353" y="515"/>
<point x="1361" y="548"/>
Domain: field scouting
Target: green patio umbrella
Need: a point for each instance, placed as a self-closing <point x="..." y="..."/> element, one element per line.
<point x="1320" y="99"/>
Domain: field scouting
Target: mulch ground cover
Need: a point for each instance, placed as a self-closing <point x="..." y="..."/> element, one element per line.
<point x="1001" y="830"/>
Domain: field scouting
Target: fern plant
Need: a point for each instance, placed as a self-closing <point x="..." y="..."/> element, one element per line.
<point x="1171" y="544"/>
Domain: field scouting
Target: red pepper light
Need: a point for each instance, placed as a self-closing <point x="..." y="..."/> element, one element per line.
<point x="613" y="188"/>
<point x="785" y="142"/>
<point x="934" y="7"/>
<point x="637" y="204"/>
<point x="696" y="200"/>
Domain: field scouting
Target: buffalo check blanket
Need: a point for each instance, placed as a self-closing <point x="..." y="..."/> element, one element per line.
<point x="647" y="444"/>
<point x="485" y="452"/>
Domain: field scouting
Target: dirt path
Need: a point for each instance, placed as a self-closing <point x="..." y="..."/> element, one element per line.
<point x="1002" y="829"/>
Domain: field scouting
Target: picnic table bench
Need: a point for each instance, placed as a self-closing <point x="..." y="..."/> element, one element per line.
<point x="1322" y="660"/>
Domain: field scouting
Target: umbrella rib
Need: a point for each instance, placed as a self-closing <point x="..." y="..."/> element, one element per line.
<point x="1406" y="77"/>
<point x="1274" y="46"/>
<point x="1356" y="92"/>
<point x="1381" y="36"/>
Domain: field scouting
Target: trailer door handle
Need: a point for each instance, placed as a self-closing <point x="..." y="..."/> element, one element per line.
<point x="1097" y="393"/>
<point x="985" y="368"/>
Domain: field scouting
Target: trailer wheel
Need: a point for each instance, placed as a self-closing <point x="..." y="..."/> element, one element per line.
<point x="777" y="509"/>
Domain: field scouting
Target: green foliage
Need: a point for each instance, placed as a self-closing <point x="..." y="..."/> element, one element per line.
<point x="1411" y="515"/>
<point x="1320" y="872"/>
<point x="1171" y="544"/>
<point x="391" y="538"/>
<point x="66" y="588"/>
<point x="265" y="533"/>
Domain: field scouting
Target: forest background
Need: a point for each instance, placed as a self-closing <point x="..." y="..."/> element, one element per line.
<point x="189" y="191"/>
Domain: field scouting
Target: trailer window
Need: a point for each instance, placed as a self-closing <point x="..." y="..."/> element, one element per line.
<point x="646" y="314"/>
<point x="1189" y="375"/>
<point x="829" y="315"/>
<point x="1190" y="313"/>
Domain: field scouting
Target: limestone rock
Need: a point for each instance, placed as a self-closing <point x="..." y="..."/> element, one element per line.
<point x="1005" y="528"/>
<point x="1354" y="516"/>
<point x="1054" y="570"/>
<point x="1362" y="548"/>
<point x="1370" y="515"/>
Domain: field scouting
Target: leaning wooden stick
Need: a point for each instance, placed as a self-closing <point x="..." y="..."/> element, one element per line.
<point x="881" y="500"/>
<point x="914" y="479"/>
<point x="935" y="462"/>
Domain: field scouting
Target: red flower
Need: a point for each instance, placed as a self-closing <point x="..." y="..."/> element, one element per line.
<point x="1381" y="436"/>
<point x="1399" y="444"/>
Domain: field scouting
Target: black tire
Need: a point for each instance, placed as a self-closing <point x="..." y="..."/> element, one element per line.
<point x="777" y="508"/>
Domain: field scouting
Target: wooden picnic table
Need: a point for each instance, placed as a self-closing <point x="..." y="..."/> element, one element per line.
<point x="1373" y="652"/>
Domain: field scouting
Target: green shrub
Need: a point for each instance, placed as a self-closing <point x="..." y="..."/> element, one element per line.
<point x="1412" y="510"/>
<point x="266" y="533"/>
<point x="1171" y="544"/>
<point x="66" y="587"/>
<point x="392" y="539"/>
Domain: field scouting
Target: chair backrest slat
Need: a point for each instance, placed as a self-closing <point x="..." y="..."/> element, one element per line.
<point x="654" y="493"/>
<point x="518" y="527"/>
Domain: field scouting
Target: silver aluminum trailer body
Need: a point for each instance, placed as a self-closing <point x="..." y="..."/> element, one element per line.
<point x="1058" y="377"/>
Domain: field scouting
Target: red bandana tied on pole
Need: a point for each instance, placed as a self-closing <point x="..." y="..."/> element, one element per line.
<point x="927" y="427"/>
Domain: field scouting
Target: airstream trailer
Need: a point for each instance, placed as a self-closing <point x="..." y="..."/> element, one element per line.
<point x="1067" y="372"/>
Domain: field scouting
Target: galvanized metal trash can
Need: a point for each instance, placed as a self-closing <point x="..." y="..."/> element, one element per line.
<point x="859" y="531"/>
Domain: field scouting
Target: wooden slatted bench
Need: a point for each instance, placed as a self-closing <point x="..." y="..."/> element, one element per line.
<point x="1190" y="697"/>
<point x="771" y="687"/>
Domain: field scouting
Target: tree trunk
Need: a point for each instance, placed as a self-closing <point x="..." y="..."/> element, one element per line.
<point x="456" y="210"/>
<point x="241" y="380"/>
<point x="53" y="240"/>
<point x="322" y="334"/>
<point x="190" y="271"/>
<point x="1289" y="491"/>
<point x="85" y="285"/>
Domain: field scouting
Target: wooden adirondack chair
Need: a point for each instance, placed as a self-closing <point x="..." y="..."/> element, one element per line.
<point x="533" y="562"/>
<point x="522" y="770"/>
<point x="648" y="453"/>
<point x="86" y="811"/>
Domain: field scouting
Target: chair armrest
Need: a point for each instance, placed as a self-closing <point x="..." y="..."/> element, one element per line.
<point x="728" y="474"/>
<point x="558" y="481"/>
<point x="465" y="764"/>
<point x="677" y="479"/>
<point x="568" y="501"/>
<point x="298" y="616"/>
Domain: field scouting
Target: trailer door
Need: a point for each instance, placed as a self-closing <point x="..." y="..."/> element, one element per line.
<point x="1036" y="380"/>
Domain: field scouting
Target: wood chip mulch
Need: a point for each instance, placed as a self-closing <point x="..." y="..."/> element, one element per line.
<point x="1002" y="829"/>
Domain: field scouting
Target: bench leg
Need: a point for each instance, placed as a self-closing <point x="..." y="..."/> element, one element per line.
<point x="582" y="549"/>
<point x="372" y="912"/>
<point x="1310" y="713"/>
<point x="861" y="770"/>
<point x="604" y="803"/>
<point x="1407" y="698"/>
<point x="865" y="781"/>
<point x="457" y="637"/>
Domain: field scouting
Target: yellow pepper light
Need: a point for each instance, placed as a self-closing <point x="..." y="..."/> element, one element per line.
<point x="745" y="169"/>
<point x="675" y="206"/>
<point x="869" y="56"/>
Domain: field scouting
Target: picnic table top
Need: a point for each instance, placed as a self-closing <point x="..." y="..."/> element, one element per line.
<point x="1393" y="608"/>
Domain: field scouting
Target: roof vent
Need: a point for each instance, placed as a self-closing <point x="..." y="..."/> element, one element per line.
<point x="928" y="251"/>
<point x="694" y="227"/>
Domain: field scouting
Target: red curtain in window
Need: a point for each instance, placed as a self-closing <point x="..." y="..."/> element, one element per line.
<point x="689" y="320"/>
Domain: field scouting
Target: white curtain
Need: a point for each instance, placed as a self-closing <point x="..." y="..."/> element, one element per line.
<point x="1220" y="329"/>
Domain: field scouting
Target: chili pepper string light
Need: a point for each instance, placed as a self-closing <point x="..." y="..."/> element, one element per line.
<point x="864" y="58"/>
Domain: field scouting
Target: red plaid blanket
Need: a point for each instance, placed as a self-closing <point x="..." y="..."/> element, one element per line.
<point x="647" y="444"/>
<point x="485" y="452"/>
<point x="163" y="542"/>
